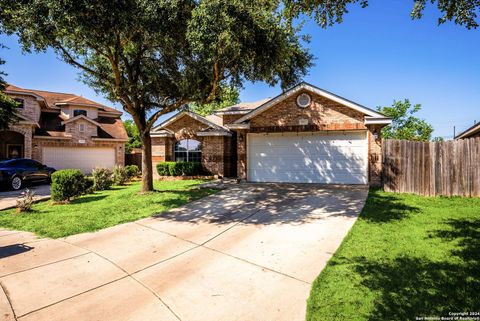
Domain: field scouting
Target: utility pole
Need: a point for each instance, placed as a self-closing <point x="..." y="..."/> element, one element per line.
<point x="453" y="132"/>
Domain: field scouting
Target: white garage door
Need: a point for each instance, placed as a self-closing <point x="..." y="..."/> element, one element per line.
<point x="330" y="157"/>
<point x="83" y="158"/>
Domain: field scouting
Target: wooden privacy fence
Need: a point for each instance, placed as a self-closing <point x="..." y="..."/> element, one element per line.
<point x="134" y="159"/>
<point x="432" y="168"/>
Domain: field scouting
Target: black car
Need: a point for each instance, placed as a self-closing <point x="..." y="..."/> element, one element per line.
<point x="14" y="173"/>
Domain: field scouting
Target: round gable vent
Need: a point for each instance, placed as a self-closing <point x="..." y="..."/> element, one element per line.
<point x="304" y="100"/>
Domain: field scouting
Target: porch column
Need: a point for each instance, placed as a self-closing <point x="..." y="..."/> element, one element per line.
<point x="242" y="154"/>
<point x="27" y="143"/>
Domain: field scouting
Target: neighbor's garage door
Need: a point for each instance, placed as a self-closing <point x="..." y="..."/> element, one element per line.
<point x="331" y="157"/>
<point x="83" y="158"/>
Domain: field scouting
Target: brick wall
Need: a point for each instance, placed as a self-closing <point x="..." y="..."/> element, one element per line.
<point x="229" y="119"/>
<point x="186" y="128"/>
<point x="374" y="156"/>
<point x="322" y="113"/>
<point x="72" y="128"/>
<point x="242" y="154"/>
<point x="27" y="132"/>
<point x="217" y="151"/>
<point x="31" y="109"/>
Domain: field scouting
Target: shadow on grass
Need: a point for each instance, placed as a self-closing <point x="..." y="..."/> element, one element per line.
<point x="88" y="199"/>
<point x="385" y="207"/>
<point x="411" y="287"/>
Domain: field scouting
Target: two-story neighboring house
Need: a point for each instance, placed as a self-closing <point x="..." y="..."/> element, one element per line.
<point x="64" y="131"/>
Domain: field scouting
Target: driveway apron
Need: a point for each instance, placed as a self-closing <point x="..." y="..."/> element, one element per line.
<point x="249" y="252"/>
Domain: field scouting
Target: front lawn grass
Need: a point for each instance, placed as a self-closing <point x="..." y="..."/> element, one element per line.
<point x="407" y="256"/>
<point x="103" y="209"/>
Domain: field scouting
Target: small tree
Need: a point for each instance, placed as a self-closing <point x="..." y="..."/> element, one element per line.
<point x="227" y="96"/>
<point x="404" y="124"/>
<point x="155" y="56"/>
<point x="133" y="136"/>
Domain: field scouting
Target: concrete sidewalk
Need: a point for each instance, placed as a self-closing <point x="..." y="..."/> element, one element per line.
<point x="249" y="252"/>
<point x="8" y="199"/>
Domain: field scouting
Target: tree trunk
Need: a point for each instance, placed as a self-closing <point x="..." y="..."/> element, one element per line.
<point x="147" y="173"/>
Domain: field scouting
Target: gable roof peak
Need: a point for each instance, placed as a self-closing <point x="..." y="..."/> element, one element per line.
<point x="316" y="90"/>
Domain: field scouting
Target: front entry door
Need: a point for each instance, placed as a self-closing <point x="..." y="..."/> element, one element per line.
<point x="14" y="151"/>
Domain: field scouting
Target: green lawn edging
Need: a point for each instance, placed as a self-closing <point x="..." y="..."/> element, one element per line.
<point x="103" y="209"/>
<point x="407" y="256"/>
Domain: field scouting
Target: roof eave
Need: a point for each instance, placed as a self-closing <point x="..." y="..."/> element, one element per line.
<point x="377" y="121"/>
<point x="311" y="88"/>
<point x="470" y="131"/>
<point x="233" y="112"/>
<point x="214" y="133"/>
<point x="192" y="115"/>
<point x="80" y="117"/>
<point x="238" y="126"/>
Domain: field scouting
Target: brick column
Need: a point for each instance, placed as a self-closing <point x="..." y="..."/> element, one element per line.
<point x="374" y="156"/>
<point x="242" y="154"/>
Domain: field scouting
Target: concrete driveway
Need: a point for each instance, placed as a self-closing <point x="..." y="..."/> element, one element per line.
<point x="8" y="199"/>
<point x="249" y="252"/>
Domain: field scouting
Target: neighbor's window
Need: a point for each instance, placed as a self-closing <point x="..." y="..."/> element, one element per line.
<point x="20" y="102"/>
<point x="81" y="128"/>
<point x="188" y="150"/>
<point x="78" y="112"/>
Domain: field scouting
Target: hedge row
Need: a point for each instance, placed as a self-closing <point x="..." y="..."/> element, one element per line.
<point x="70" y="183"/>
<point x="179" y="169"/>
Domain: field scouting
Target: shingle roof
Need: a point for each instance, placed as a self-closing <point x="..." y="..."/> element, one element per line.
<point x="245" y="106"/>
<point x="53" y="98"/>
<point x="51" y="125"/>
<point x="469" y="132"/>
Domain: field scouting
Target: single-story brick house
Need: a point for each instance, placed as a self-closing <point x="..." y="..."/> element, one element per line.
<point x="471" y="132"/>
<point x="64" y="131"/>
<point x="304" y="135"/>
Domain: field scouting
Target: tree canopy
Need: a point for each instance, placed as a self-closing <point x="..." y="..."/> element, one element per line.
<point x="7" y="104"/>
<point x="155" y="56"/>
<point x="227" y="96"/>
<point x="329" y="12"/>
<point x="404" y="124"/>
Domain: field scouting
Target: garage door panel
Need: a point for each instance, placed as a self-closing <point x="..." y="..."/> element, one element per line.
<point x="292" y="164"/>
<point x="83" y="158"/>
<point x="312" y="158"/>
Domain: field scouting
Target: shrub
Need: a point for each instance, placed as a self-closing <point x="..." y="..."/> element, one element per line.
<point x="132" y="171"/>
<point x="24" y="204"/>
<point x="88" y="185"/>
<point x="102" y="178"/>
<point x="66" y="184"/>
<point x="162" y="169"/>
<point x="120" y="176"/>
<point x="179" y="169"/>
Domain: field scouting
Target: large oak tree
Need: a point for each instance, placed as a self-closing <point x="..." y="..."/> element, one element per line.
<point x="329" y="12"/>
<point x="155" y="56"/>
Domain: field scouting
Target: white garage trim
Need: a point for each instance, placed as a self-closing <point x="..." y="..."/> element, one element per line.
<point x="83" y="158"/>
<point x="333" y="157"/>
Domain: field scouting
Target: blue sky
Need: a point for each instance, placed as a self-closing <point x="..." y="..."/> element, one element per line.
<point x="376" y="55"/>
